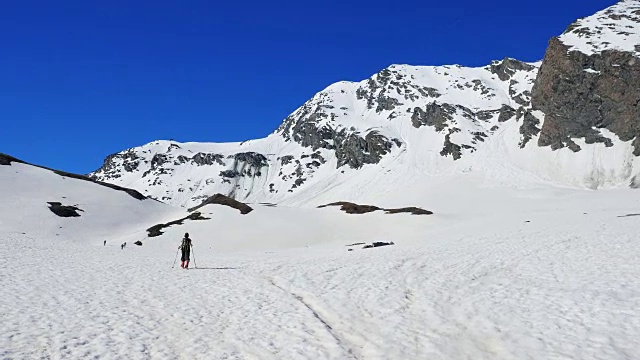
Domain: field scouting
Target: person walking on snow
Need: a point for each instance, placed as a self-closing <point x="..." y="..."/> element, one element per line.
<point x="186" y="251"/>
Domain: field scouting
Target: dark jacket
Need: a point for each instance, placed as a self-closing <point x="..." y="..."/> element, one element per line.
<point x="186" y="248"/>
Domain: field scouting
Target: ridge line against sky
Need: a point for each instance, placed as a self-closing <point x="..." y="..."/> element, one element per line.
<point x="84" y="80"/>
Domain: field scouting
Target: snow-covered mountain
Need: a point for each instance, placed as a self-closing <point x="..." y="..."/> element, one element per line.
<point x="406" y="123"/>
<point x="614" y="28"/>
<point x="495" y="273"/>
<point x="505" y="268"/>
<point x="401" y="112"/>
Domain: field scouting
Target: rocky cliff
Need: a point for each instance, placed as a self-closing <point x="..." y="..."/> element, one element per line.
<point x="589" y="80"/>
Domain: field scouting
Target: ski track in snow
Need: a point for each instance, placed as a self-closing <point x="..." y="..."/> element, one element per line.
<point x="120" y="306"/>
<point x="534" y="293"/>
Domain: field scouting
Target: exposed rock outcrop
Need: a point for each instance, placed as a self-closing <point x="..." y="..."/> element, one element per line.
<point x="202" y="159"/>
<point x="227" y="201"/>
<point x="352" y="148"/>
<point x="506" y="68"/>
<point x="64" y="210"/>
<point x="249" y="163"/>
<point x="529" y="127"/>
<point x="434" y="114"/>
<point x="8" y="159"/>
<point x="351" y="208"/>
<point x="156" y="230"/>
<point x="581" y="93"/>
<point x="355" y="151"/>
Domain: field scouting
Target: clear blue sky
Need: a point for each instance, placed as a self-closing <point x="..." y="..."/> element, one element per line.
<point x="80" y="80"/>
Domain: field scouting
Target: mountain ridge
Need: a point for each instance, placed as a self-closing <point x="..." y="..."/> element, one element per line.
<point x="412" y="121"/>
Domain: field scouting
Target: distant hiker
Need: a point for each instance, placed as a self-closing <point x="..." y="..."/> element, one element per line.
<point x="186" y="251"/>
<point x="121" y="246"/>
<point x="125" y="244"/>
<point x="105" y="243"/>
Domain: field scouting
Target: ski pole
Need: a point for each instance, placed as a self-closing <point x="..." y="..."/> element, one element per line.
<point x="194" y="258"/>
<point x="176" y="259"/>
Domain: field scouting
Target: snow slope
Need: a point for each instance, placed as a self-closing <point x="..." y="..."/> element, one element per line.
<point x="497" y="273"/>
<point x="25" y="191"/>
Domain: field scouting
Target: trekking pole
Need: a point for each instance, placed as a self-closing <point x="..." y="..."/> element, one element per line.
<point x="176" y="259"/>
<point x="194" y="258"/>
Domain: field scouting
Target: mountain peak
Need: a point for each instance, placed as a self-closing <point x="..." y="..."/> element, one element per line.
<point x="408" y="122"/>
<point x="614" y="28"/>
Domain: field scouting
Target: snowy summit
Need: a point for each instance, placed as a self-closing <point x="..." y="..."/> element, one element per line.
<point x="615" y="28"/>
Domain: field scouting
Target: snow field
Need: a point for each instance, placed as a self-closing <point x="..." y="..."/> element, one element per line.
<point x="556" y="277"/>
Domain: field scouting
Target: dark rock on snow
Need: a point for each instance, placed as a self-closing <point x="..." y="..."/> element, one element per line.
<point x="64" y="210"/>
<point x="8" y="159"/>
<point x="506" y="68"/>
<point x="378" y="244"/>
<point x="351" y="208"/>
<point x="227" y="201"/>
<point x="156" y="230"/>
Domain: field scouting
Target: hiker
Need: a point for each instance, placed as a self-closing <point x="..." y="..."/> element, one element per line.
<point x="105" y="243"/>
<point x="186" y="251"/>
<point x="121" y="246"/>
